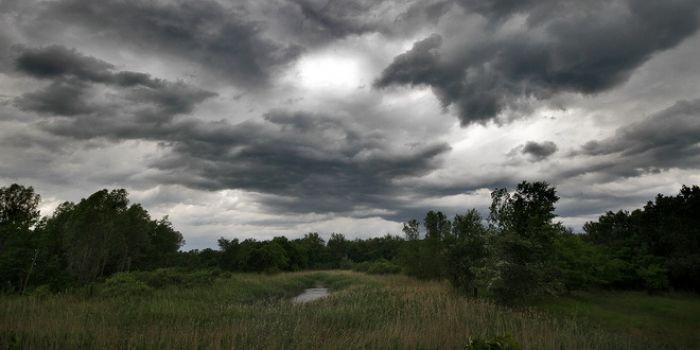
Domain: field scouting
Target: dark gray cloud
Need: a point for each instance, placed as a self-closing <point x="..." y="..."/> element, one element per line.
<point x="310" y="162"/>
<point x="317" y="22"/>
<point x="60" y="98"/>
<point x="667" y="139"/>
<point x="163" y="98"/>
<point x="76" y="82"/>
<point x="223" y="39"/>
<point x="336" y="19"/>
<point x="584" y="51"/>
<point x="59" y="61"/>
<point x="538" y="150"/>
<point x="245" y="42"/>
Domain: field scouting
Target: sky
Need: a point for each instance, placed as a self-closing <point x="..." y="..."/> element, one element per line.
<point x="259" y="118"/>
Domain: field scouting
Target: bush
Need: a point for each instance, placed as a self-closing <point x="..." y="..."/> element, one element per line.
<point x="41" y="291"/>
<point x="161" y="278"/>
<point x="505" y="342"/>
<point x="124" y="284"/>
<point x="378" y="267"/>
<point x="655" y="277"/>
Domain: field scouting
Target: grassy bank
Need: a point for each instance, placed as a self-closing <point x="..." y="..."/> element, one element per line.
<point x="670" y="318"/>
<point x="253" y="311"/>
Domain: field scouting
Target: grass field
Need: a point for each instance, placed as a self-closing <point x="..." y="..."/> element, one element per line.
<point x="670" y="319"/>
<point x="247" y="311"/>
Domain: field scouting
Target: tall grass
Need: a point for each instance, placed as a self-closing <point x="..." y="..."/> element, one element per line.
<point x="246" y="311"/>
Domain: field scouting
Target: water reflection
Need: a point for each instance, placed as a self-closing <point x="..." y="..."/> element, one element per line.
<point x="310" y="294"/>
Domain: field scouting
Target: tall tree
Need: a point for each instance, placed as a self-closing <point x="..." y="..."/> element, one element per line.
<point x="523" y="251"/>
<point x="410" y="253"/>
<point x="433" y="248"/>
<point x="467" y="252"/>
<point x="18" y="214"/>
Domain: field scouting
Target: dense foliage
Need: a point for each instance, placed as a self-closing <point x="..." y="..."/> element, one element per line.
<point x="520" y="251"/>
<point x="657" y="246"/>
<point x="79" y="243"/>
<point x="517" y="252"/>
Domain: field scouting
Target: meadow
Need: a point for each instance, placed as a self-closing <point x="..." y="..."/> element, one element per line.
<point x="244" y="311"/>
<point x="669" y="318"/>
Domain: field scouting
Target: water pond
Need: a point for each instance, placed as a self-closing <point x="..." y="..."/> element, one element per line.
<point x="310" y="294"/>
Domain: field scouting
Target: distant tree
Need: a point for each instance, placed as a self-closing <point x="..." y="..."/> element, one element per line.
<point x="433" y="251"/>
<point x="18" y="250"/>
<point x="93" y="242"/>
<point x="314" y="247"/>
<point x="52" y="263"/>
<point x="269" y="257"/>
<point x="410" y="253"/>
<point x="411" y="230"/>
<point x="583" y="265"/>
<point x="521" y="263"/>
<point x="262" y="256"/>
<point x="102" y="235"/>
<point x="18" y="208"/>
<point x="229" y="254"/>
<point x="338" y="248"/>
<point x="165" y="242"/>
<point x="296" y="259"/>
<point x="467" y="251"/>
<point x="437" y="227"/>
<point x="657" y="246"/>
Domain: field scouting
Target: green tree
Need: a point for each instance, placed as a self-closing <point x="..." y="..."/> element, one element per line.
<point x="102" y="235"/>
<point x="433" y="252"/>
<point x="229" y="254"/>
<point x="410" y="253"/>
<point x="467" y="252"/>
<point x="18" y="250"/>
<point x="314" y="247"/>
<point x="521" y="263"/>
<point x="338" y="248"/>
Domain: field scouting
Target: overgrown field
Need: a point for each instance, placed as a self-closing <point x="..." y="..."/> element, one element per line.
<point x="670" y="318"/>
<point x="248" y="311"/>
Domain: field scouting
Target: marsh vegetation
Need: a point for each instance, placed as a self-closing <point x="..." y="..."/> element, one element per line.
<point x="254" y="311"/>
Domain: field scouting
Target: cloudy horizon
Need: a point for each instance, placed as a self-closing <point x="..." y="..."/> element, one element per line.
<point x="281" y="117"/>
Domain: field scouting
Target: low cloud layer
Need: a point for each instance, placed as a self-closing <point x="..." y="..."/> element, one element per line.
<point x="664" y="140"/>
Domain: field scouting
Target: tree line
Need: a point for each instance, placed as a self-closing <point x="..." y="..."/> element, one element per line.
<point x="80" y="242"/>
<point x="518" y="251"/>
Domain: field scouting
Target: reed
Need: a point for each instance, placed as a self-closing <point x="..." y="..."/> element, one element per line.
<point x="245" y="311"/>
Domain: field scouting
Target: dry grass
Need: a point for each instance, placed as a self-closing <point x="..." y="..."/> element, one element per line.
<point x="253" y="311"/>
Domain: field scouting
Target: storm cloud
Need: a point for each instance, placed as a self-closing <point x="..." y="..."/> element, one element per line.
<point x="216" y="37"/>
<point x="667" y="139"/>
<point x="261" y="118"/>
<point x="76" y="80"/>
<point x="561" y="46"/>
<point x="313" y="162"/>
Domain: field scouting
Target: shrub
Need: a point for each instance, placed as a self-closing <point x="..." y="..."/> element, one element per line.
<point x="41" y="291"/>
<point x="161" y="278"/>
<point x="124" y="284"/>
<point x="378" y="267"/>
<point x="655" y="277"/>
